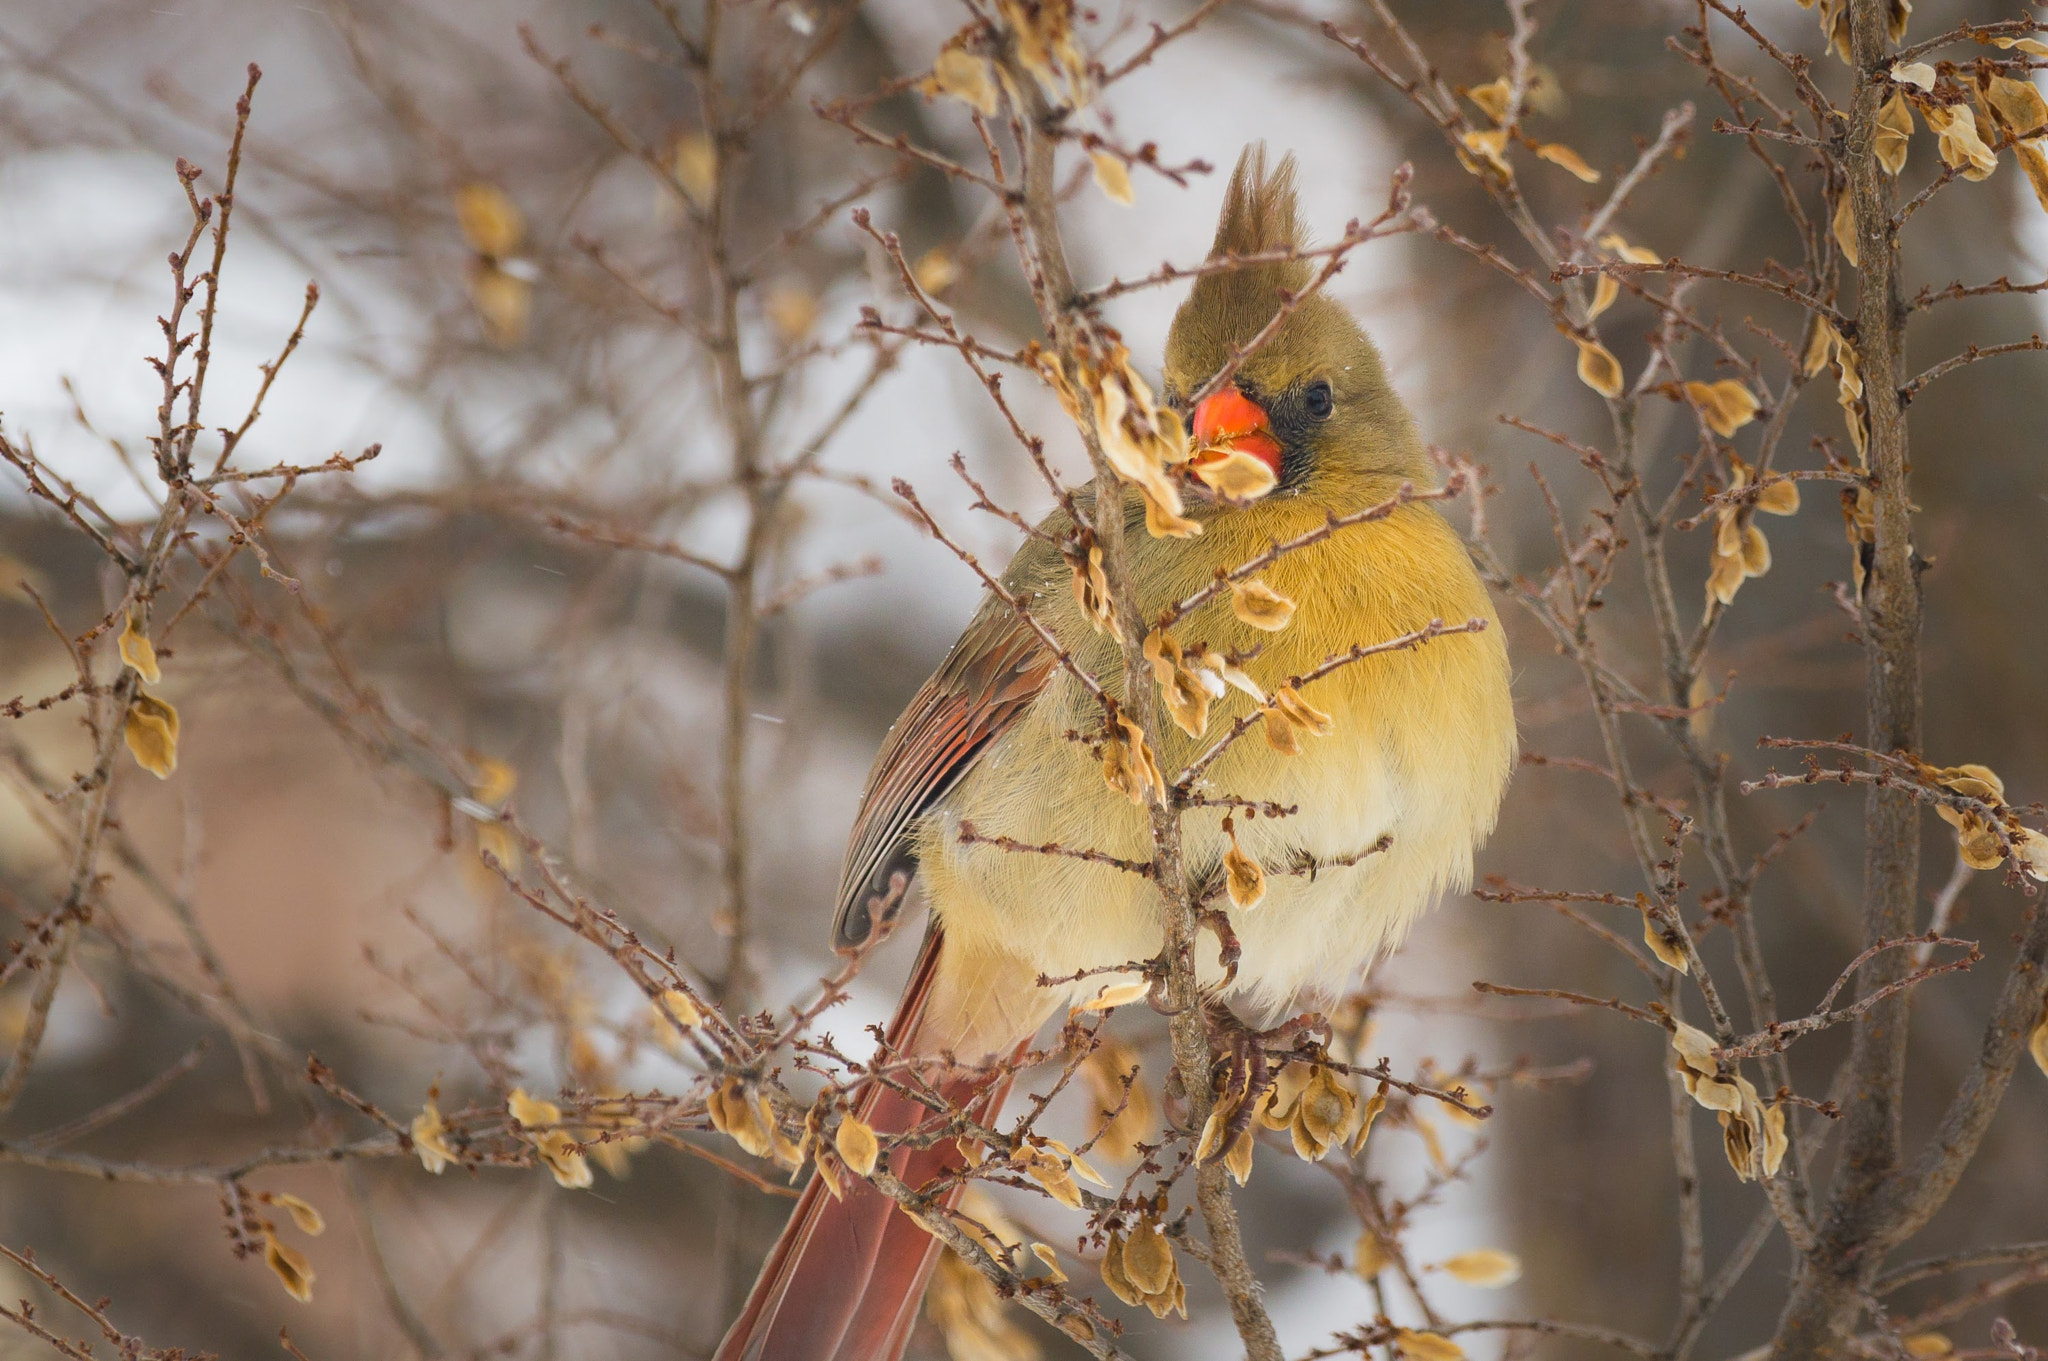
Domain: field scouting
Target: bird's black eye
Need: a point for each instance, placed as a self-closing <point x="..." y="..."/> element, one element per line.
<point x="1320" y="403"/>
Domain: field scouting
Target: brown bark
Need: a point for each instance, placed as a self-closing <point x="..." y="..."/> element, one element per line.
<point x="1188" y="1029"/>
<point x="1855" y="1233"/>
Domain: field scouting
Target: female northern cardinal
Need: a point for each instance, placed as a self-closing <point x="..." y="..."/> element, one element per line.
<point x="1418" y="748"/>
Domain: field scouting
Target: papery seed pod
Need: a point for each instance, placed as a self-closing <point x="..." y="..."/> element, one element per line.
<point x="1727" y="405"/>
<point x="793" y="311"/>
<point x="1091" y="589"/>
<point x="829" y="1174"/>
<point x="1113" y="177"/>
<point x="1368" y="1113"/>
<point x="1238" y="1161"/>
<point x="1128" y="766"/>
<point x="504" y="301"/>
<point x="1211" y="1142"/>
<point x="1635" y="255"/>
<point x="1489" y="148"/>
<point x="491" y="223"/>
<point x="1598" y="368"/>
<point x="290" y="1266"/>
<point x="1957" y="138"/>
<point x="974" y="1320"/>
<point x="1119" y="991"/>
<point x="559" y="1154"/>
<point x="1606" y="289"/>
<point x="1558" y="154"/>
<point x="1492" y="98"/>
<point x="1918" y="74"/>
<point x="1233" y="473"/>
<point x="1079" y="1165"/>
<point x="151" y="731"/>
<point x="531" y="1111"/>
<point x="2017" y="104"/>
<point x="1163" y="520"/>
<point x="1425" y="1346"/>
<point x="138" y="653"/>
<point x="1276" y="1111"/>
<point x="1280" y="734"/>
<point x="1301" y="713"/>
<point x="1187" y="702"/>
<point x="1894" y="132"/>
<point x="856" y="1143"/>
<point x="1113" y="1274"/>
<point x="1226" y="670"/>
<point x="695" y="165"/>
<point x="1779" y="497"/>
<point x="1738" y="1141"/>
<point x="302" y="1212"/>
<point x="935" y="271"/>
<point x="1163" y="651"/>
<point x="1148" y="1258"/>
<point x="1695" y="1048"/>
<point x="2033" y="160"/>
<point x="967" y="78"/>
<point x="1664" y="945"/>
<point x="1322" y="1116"/>
<point x="1369" y="1256"/>
<point x="1138" y="1120"/>
<point x="1843" y="226"/>
<point x="429" y="1140"/>
<point x="1776" y="1142"/>
<point x="1257" y="604"/>
<point x="1244" y="878"/>
<point x="1483" y="1267"/>
<point x="1045" y="1168"/>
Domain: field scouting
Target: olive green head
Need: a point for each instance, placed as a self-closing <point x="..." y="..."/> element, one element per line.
<point x="1318" y="377"/>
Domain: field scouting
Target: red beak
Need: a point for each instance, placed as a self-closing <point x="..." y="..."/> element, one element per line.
<point x="1231" y="420"/>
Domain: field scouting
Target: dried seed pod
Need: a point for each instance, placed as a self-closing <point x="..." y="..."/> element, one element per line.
<point x="1244" y="878"/>
<point x="290" y="1266"/>
<point x="1148" y="1260"/>
<point x="1323" y="1115"/>
<point x="856" y="1144"/>
<point x="430" y="1140"/>
<point x="1598" y="368"/>
<point x="138" y="653"/>
<point x="1257" y="604"/>
<point x="1128" y="766"/>
<point x="151" y="732"/>
<point x="1484" y="1267"/>
<point x="967" y="78"/>
<point x="1425" y="1346"/>
<point x="302" y="1212"/>
<point x="1726" y="406"/>
<point x="1558" y="154"/>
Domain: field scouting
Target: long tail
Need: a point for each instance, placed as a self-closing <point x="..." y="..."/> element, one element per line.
<point x="845" y="1278"/>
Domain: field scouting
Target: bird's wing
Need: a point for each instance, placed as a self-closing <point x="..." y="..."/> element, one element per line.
<point x="999" y="665"/>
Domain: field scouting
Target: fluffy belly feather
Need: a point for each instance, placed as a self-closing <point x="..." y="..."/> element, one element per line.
<point x="1423" y="743"/>
<point x="1404" y="762"/>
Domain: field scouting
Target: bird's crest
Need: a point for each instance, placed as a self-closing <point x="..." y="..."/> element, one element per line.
<point x="1261" y="212"/>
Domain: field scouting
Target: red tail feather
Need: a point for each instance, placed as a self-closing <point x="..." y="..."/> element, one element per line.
<point x="845" y="1278"/>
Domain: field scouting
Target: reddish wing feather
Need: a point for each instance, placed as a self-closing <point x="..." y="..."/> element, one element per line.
<point x="844" y="1280"/>
<point x="998" y="666"/>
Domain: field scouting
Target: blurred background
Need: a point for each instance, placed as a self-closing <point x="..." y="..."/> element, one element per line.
<point x="551" y="374"/>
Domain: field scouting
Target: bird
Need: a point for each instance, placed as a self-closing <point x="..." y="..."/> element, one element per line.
<point x="1419" y="748"/>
